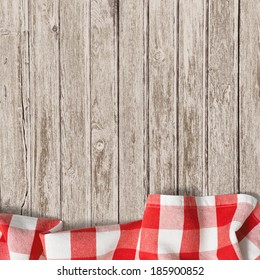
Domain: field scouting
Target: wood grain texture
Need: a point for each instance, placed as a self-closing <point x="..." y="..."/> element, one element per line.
<point x="104" y="112"/>
<point x="222" y="97"/>
<point x="45" y="102"/>
<point x="132" y="111"/>
<point x="14" y="127"/>
<point x="191" y="97"/>
<point x="249" y="97"/>
<point x="162" y="97"/>
<point x="75" y="112"/>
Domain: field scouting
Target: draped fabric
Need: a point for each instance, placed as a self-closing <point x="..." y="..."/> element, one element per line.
<point x="172" y="227"/>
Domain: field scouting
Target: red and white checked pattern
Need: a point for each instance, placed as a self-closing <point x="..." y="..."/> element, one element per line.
<point x="173" y="227"/>
<point x="213" y="227"/>
<point x="115" y="242"/>
<point x="19" y="236"/>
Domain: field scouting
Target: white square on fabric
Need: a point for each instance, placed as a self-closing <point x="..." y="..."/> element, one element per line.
<point x="169" y="241"/>
<point x="235" y="225"/>
<point x="58" y="245"/>
<point x="172" y="200"/>
<point x="107" y="241"/>
<point x="17" y="256"/>
<point x="248" y="249"/>
<point x="205" y="201"/>
<point x="208" y="239"/>
<point x="23" y="222"/>
<point x="246" y="199"/>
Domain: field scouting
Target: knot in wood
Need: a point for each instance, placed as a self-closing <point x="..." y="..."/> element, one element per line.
<point x="158" y="57"/>
<point x="54" y="28"/>
<point x="100" y="145"/>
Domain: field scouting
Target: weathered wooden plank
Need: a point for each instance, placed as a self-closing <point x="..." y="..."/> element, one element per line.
<point x="132" y="110"/>
<point x="249" y="97"/>
<point x="222" y="97"/>
<point x="26" y="206"/>
<point x="57" y="94"/>
<point x="104" y="115"/>
<point x="192" y="31"/>
<point x="162" y="75"/>
<point x="75" y="112"/>
<point x="14" y="122"/>
<point x="45" y="115"/>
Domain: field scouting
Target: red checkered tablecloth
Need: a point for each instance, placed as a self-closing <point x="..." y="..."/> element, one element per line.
<point x="173" y="227"/>
<point x="192" y="228"/>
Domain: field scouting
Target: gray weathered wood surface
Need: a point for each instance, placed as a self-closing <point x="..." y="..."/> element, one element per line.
<point x="103" y="102"/>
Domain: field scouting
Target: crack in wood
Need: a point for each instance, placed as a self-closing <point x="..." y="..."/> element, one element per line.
<point x="25" y="150"/>
<point x="5" y="91"/>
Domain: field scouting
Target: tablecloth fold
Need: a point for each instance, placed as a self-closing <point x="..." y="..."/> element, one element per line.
<point x="209" y="227"/>
<point x="20" y="236"/>
<point x="172" y="227"/>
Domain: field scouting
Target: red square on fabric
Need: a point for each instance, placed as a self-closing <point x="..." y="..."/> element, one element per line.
<point x="191" y="218"/>
<point x="153" y="200"/>
<point x="225" y="208"/>
<point x="5" y="220"/>
<point x="248" y="225"/>
<point x="225" y="214"/>
<point x="227" y="253"/>
<point x="147" y="256"/>
<point x="190" y="213"/>
<point x="83" y="244"/>
<point x="126" y="247"/>
<point x="151" y="217"/>
<point x="4" y="253"/>
<point x="191" y="231"/>
<point x="37" y="247"/>
<point x="44" y="225"/>
<point x="190" y="245"/>
<point x="189" y="256"/>
<point x="124" y="254"/>
<point x="190" y="201"/>
<point x="131" y="226"/>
